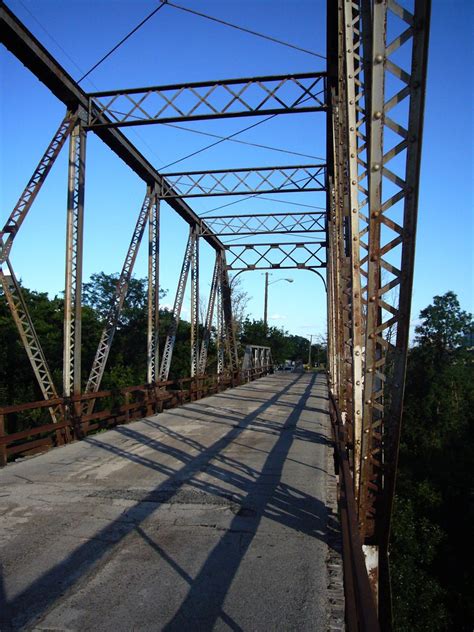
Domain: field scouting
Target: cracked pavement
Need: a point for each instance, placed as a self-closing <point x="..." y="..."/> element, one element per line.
<point x="212" y="516"/>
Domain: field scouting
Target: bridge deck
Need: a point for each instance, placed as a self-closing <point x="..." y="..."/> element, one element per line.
<point x="212" y="516"/>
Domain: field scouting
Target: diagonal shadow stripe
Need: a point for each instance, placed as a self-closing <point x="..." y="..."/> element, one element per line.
<point x="223" y="562"/>
<point x="42" y="594"/>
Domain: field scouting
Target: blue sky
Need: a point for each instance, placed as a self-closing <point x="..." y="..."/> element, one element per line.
<point x="176" y="47"/>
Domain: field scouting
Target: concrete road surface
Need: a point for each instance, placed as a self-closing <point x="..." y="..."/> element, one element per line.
<point x="212" y="516"/>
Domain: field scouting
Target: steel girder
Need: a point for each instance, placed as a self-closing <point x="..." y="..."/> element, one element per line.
<point x="281" y="179"/>
<point x="153" y="320"/>
<point x="209" y="317"/>
<point x="19" y="310"/>
<point x="42" y="64"/>
<point x="396" y="124"/>
<point x="74" y="249"/>
<point x="228" y="324"/>
<point x="270" y="256"/>
<point x="280" y="94"/>
<point x="113" y="316"/>
<point x="33" y="187"/>
<point x="371" y="240"/>
<point x="178" y="303"/>
<point x="195" y="305"/>
<point x="265" y="224"/>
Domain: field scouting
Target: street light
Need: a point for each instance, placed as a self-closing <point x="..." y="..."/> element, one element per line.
<point x="265" y="305"/>
<point x="310" y="345"/>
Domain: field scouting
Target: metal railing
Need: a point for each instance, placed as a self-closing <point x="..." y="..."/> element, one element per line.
<point x="361" y="610"/>
<point x="115" y="407"/>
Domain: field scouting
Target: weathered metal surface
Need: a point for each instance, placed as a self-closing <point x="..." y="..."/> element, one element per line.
<point x="279" y="94"/>
<point x="153" y="303"/>
<point x="16" y="37"/>
<point x="302" y="255"/>
<point x="265" y="223"/>
<point x="282" y="179"/>
<point x="74" y="250"/>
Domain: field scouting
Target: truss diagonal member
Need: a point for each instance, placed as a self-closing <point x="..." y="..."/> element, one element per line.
<point x="220" y="322"/>
<point x="153" y="323"/>
<point x="74" y="248"/>
<point x="209" y="318"/>
<point x="265" y="223"/>
<point x="21" y="316"/>
<point x="113" y="316"/>
<point x="176" y="314"/>
<point x="229" y="324"/>
<point x="281" y="94"/>
<point x="19" y="213"/>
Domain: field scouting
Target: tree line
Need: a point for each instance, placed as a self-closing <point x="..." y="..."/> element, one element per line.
<point x="126" y="364"/>
<point x="431" y="551"/>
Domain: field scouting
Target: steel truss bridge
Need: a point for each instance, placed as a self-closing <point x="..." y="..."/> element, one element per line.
<point x="362" y="245"/>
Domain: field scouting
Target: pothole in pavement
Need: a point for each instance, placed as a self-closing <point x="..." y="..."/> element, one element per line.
<point x="182" y="496"/>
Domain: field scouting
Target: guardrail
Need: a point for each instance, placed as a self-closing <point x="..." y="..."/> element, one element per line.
<point x="361" y="611"/>
<point x="115" y="407"/>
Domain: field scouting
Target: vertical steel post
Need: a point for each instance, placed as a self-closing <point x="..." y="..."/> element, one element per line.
<point x="153" y="321"/>
<point x="74" y="248"/>
<point x="220" y="322"/>
<point x="195" y="305"/>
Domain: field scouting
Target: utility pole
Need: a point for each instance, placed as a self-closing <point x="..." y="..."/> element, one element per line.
<point x="265" y="304"/>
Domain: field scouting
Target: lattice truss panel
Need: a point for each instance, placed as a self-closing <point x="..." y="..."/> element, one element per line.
<point x="205" y="100"/>
<point x="74" y="247"/>
<point x="276" y="256"/>
<point x="399" y="54"/>
<point x="264" y="224"/>
<point x="285" y="179"/>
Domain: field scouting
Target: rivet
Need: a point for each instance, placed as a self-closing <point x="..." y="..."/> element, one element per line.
<point x="376" y="167"/>
<point x="378" y="58"/>
<point x="357" y="353"/>
<point x="354" y="181"/>
<point x="375" y="214"/>
<point x="377" y="115"/>
<point x="372" y="299"/>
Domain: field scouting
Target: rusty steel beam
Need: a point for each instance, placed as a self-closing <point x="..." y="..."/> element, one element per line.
<point x="265" y="223"/>
<point x="21" y="43"/>
<point x="74" y="251"/>
<point x="218" y="182"/>
<point x="250" y="96"/>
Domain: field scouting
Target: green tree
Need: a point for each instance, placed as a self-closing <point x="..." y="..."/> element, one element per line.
<point x="430" y="554"/>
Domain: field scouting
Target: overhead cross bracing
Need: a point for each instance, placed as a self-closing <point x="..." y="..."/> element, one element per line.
<point x="372" y="95"/>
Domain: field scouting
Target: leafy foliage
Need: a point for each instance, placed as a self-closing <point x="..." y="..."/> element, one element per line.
<point x="432" y="573"/>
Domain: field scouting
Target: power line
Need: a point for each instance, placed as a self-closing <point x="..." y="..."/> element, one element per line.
<point x="245" y="30"/>
<point x="124" y="39"/>
<point x="243" y="142"/>
<point x="218" y="142"/>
